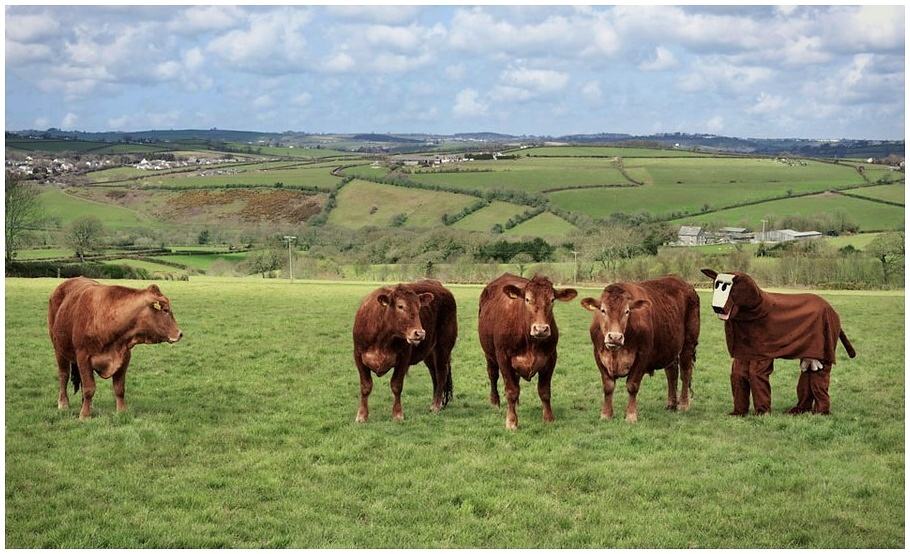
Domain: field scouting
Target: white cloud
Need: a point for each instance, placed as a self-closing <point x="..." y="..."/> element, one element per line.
<point x="714" y="73"/>
<point x="262" y="102"/>
<point x="302" y="99"/>
<point x="715" y="124"/>
<point x="517" y="84"/>
<point x="200" y="19"/>
<point x="41" y="123"/>
<point x="378" y="14"/>
<point x="272" y="42"/>
<point x="69" y="121"/>
<point x="456" y="72"/>
<point x="30" y="27"/>
<point x="591" y="92"/>
<point x="467" y="104"/>
<point x="767" y="103"/>
<point x="663" y="60"/>
<point x="339" y="63"/>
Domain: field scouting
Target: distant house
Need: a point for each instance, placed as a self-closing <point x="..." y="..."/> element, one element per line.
<point x="784" y="235"/>
<point x="691" y="236"/>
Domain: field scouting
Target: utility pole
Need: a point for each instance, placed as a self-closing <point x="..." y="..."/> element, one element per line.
<point x="290" y="239"/>
<point x="575" y="253"/>
<point x="763" y="235"/>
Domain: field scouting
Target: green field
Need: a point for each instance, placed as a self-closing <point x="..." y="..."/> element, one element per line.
<point x="485" y="218"/>
<point x="243" y="435"/>
<point x="147" y="265"/>
<point x="320" y="177"/>
<point x="204" y="262"/>
<point x="298" y="152"/>
<point x="527" y="174"/>
<point x="891" y="193"/>
<point x="598" y="151"/>
<point x="545" y="225"/>
<point x="367" y="171"/>
<point x="870" y="216"/>
<point x="95" y="147"/>
<point x="63" y="208"/>
<point x="362" y="203"/>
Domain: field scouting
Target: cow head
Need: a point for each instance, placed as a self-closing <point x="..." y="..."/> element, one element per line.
<point x="732" y="293"/>
<point x="538" y="296"/>
<point x="156" y="321"/>
<point x="402" y="312"/>
<point x="612" y="312"/>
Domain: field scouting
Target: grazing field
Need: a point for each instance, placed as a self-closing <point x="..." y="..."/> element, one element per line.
<point x="147" y="265"/>
<point x="243" y="435"/>
<point x="362" y="203"/>
<point x="367" y="171"/>
<point x="600" y="151"/>
<point x="63" y="208"/>
<point x="545" y="225"/>
<point x="527" y="174"/>
<point x="313" y="153"/>
<point x="891" y="193"/>
<point x="677" y="185"/>
<point x="870" y="216"/>
<point x="320" y="177"/>
<point x="485" y="218"/>
<point x="204" y="262"/>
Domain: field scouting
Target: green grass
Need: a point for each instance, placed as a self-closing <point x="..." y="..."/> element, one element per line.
<point x="297" y="152"/>
<point x="485" y="218"/>
<point x="891" y="193"/>
<point x="320" y="177"/>
<point x="870" y="216"/>
<point x="242" y="435"/>
<point x="625" y="152"/>
<point x="366" y="171"/>
<point x="55" y="145"/>
<point x="545" y="224"/>
<point x="42" y="253"/>
<point x="686" y="185"/>
<point x="424" y="208"/>
<point x="860" y="241"/>
<point x="204" y="262"/>
<point x="145" y="264"/>
<point x="65" y="208"/>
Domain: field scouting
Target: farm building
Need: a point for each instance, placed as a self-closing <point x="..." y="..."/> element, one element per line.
<point x="691" y="236"/>
<point x="783" y="235"/>
<point x="734" y="234"/>
<point x="437" y="159"/>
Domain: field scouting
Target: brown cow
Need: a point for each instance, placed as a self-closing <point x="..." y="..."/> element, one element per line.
<point x="93" y="328"/>
<point x="397" y="327"/>
<point x="761" y="326"/>
<point x="519" y="336"/>
<point x="640" y="327"/>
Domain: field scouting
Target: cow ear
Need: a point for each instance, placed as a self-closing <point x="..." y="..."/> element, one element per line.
<point x="640" y="304"/>
<point x="710" y="273"/>
<point x="154" y="288"/>
<point x="512" y="291"/>
<point x="156" y="305"/>
<point x="590" y="304"/>
<point x="564" y="295"/>
<point x="426" y="298"/>
<point x="384" y="299"/>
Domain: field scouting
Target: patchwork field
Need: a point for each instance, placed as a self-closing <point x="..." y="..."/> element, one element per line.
<point x="485" y="218"/>
<point x="320" y="177"/>
<point x="64" y="208"/>
<point x="870" y="216"/>
<point x="891" y="193"/>
<point x="362" y="203"/>
<point x="243" y="435"/>
<point x="545" y="224"/>
<point x="600" y="151"/>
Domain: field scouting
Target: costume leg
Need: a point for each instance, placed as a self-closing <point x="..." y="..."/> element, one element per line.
<point x="760" y="383"/>
<point x="739" y="382"/>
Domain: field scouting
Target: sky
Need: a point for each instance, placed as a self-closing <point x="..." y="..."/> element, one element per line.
<point x="810" y="72"/>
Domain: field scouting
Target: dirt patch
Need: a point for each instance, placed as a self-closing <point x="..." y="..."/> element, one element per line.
<point x="251" y="206"/>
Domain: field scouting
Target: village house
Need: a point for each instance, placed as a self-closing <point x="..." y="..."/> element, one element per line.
<point x="691" y="236"/>
<point x="784" y="235"/>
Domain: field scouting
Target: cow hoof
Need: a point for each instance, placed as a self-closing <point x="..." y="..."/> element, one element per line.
<point x="435" y="408"/>
<point x="671" y="407"/>
<point x="604" y="416"/>
<point x="684" y="406"/>
<point x="83" y="417"/>
<point x="361" y="417"/>
<point x="738" y="414"/>
<point x="548" y="418"/>
<point x="398" y="417"/>
<point x="63" y="406"/>
<point x="631" y="418"/>
<point x="511" y="425"/>
<point x="494" y="401"/>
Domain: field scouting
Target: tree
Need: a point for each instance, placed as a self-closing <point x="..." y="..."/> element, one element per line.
<point x="266" y="260"/>
<point x="888" y="249"/>
<point x="84" y="234"/>
<point x="23" y="212"/>
<point x="522" y="259"/>
<point x="203" y="237"/>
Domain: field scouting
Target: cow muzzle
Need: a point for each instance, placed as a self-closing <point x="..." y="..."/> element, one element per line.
<point x="540" y="331"/>
<point x="179" y="336"/>
<point x="416" y="337"/>
<point x="614" y="341"/>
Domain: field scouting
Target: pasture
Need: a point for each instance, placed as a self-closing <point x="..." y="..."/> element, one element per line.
<point x="546" y="225"/>
<point x="362" y="203"/>
<point x="601" y="151"/>
<point x="64" y="208"/>
<point x="243" y="435"/>
<point x="890" y="193"/>
<point x="485" y="218"/>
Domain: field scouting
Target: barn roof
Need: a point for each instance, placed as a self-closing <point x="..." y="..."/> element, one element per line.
<point x="689" y="231"/>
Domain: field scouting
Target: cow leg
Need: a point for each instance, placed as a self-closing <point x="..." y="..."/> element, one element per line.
<point x="633" y="382"/>
<point x="63" y="373"/>
<point x="366" y="387"/>
<point x="686" y="365"/>
<point x="672" y="372"/>
<point x="606" y="410"/>
<point x="397" y="385"/>
<point x="88" y="385"/>
<point x="760" y="383"/>
<point x="119" y="379"/>
<point x="803" y="394"/>
<point x="493" y="373"/>
<point x="432" y="364"/>
<point x="443" y="385"/>
<point x="739" y="383"/>
<point x="818" y="384"/>
<point x="543" y="390"/>
<point x="513" y="390"/>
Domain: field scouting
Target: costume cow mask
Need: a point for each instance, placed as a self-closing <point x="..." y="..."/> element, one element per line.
<point x="732" y="292"/>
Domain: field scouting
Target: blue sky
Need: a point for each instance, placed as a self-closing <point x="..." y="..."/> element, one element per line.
<point x="818" y="72"/>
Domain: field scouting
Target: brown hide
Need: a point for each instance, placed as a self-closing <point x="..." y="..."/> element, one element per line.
<point x="385" y="322"/>
<point x="93" y="327"/>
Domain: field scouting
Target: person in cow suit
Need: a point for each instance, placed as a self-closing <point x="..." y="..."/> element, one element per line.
<point x="762" y="326"/>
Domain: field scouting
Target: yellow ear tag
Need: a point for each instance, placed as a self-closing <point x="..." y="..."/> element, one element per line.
<point x="157" y="305"/>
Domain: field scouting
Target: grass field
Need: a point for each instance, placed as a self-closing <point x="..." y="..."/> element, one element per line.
<point x="485" y="218"/>
<point x="545" y="225"/>
<point x="242" y="434"/>
<point x="320" y="177"/>
<point x="147" y="265"/>
<point x="64" y="208"/>
<point x="204" y="261"/>
<point x="891" y="193"/>
<point x="870" y="216"/>
<point x="293" y="152"/>
<point x="598" y="151"/>
<point x="362" y="203"/>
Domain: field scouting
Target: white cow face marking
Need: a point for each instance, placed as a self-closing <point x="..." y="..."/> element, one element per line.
<point x="723" y="284"/>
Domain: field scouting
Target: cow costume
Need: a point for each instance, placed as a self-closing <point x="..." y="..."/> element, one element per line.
<point x="761" y="326"/>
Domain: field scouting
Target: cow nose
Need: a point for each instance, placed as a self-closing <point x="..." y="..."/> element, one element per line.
<point x="419" y="335"/>
<point x="179" y="335"/>
<point x="615" y="338"/>
<point x="540" y="330"/>
<point x="718" y="310"/>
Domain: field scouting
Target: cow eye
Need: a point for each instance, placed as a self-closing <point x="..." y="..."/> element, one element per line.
<point x="717" y="285"/>
<point x="603" y="311"/>
<point x="724" y="287"/>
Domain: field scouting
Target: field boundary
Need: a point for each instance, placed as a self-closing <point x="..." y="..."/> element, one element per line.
<point x="879" y="200"/>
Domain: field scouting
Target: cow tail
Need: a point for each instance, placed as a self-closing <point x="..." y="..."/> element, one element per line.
<point x="74" y="377"/>
<point x="849" y="347"/>
<point x="447" y="390"/>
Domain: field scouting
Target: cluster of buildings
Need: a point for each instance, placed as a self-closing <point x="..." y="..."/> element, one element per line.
<point x="690" y="235"/>
<point x="169" y="164"/>
<point x="431" y="160"/>
<point x="41" y="166"/>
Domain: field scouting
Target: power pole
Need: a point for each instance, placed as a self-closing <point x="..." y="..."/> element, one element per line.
<point x="290" y="239"/>
<point x="575" y="253"/>
<point x="764" y="237"/>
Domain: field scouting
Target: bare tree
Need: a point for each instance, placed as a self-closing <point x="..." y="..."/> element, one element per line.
<point x="23" y="212"/>
<point x="84" y="234"/>
<point x="888" y="249"/>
